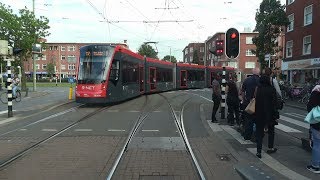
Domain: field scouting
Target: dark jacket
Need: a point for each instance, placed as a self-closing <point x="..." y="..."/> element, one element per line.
<point x="314" y="101"/>
<point x="233" y="94"/>
<point x="266" y="99"/>
<point x="249" y="86"/>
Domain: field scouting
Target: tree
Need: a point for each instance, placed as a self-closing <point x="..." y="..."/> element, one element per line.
<point x="147" y="50"/>
<point x="22" y="31"/>
<point x="196" y="57"/>
<point x="270" y="19"/>
<point x="167" y="58"/>
<point x="50" y="69"/>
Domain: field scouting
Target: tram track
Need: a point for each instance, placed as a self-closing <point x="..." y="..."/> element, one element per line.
<point x="24" y="151"/>
<point x="179" y="125"/>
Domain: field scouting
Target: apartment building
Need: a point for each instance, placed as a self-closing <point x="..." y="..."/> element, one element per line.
<point x="190" y="51"/>
<point x="302" y="48"/>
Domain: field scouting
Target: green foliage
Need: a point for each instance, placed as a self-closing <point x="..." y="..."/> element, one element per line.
<point x="196" y="59"/>
<point x="22" y="31"/>
<point x="50" y="69"/>
<point x="167" y="58"/>
<point x="270" y="18"/>
<point x="147" y="50"/>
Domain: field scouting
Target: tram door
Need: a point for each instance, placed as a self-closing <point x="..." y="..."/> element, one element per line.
<point x="141" y="78"/>
<point x="183" y="78"/>
<point x="152" y="78"/>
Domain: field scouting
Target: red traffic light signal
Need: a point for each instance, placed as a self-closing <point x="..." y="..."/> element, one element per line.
<point x="233" y="35"/>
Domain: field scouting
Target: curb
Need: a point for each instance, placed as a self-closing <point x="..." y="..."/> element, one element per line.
<point x="251" y="172"/>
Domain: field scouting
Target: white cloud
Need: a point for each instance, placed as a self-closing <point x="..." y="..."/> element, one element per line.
<point x="78" y="21"/>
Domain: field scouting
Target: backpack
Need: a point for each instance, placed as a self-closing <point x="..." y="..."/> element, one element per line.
<point x="280" y="102"/>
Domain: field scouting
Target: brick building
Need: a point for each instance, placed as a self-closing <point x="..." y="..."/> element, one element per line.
<point x="302" y="48"/>
<point x="190" y="50"/>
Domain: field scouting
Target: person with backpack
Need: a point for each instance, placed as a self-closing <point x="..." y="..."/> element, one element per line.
<point x="233" y="103"/>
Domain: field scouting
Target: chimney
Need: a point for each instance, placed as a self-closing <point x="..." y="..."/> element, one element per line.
<point x="125" y="41"/>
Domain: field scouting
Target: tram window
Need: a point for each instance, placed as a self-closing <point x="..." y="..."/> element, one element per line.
<point x="114" y="72"/>
<point x="130" y="72"/>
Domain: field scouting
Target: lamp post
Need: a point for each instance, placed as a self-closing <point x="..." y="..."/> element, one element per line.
<point x="20" y="75"/>
<point x="36" y="50"/>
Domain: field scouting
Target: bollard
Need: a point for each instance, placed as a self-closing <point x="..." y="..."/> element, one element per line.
<point x="70" y="93"/>
<point x="9" y="81"/>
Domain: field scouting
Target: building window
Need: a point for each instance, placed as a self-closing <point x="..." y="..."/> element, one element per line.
<point x="37" y="66"/>
<point x="306" y="45"/>
<point x="71" y="66"/>
<point x="291" y="22"/>
<point x="63" y="57"/>
<point x="289" y="48"/>
<point x="191" y="49"/>
<point x="72" y="59"/>
<point x="71" y="48"/>
<point x="37" y="57"/>
<point x="44" y="48"/>
<point x="250" y="65"/>
<point x="50" y="48"/>
<point x="201" y="49"/>
<point x="249" y="40"/>
<point x="191" y="59"/>
<point x="308" y="15"/>
<point x="55" y="69"/>
<point x="290" y="1"/>
<point x="63" y="67"/>
<point x="63" y="48"/>
<point x="249" y="52"/>
<point x="55" y="48"/>
<point x="44" y="57"/>
<point x="186" y="51"/>
<point x="44" y="66"/>
<point x="233" y="64"/>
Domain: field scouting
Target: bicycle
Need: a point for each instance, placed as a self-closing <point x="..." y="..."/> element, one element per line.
<point x="4" y="96"/>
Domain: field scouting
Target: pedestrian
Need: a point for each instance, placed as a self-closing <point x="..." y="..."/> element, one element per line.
<point x="314" y="101"/>
<point x="247" y="92"/>
<point x="233" y="103"/>
<point x="265" y="113"/>
<point x="275" y="84"/>
<point x="15" y="84"/>
<point x="216" y="96"/>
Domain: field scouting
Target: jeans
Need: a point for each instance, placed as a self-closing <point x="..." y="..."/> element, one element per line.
<point x="233" y="113"/>
<point x="315" y="162"/>
<point x="248" y="126"/>
<point x="14" y="90"/>
<point x="216" y="103"/>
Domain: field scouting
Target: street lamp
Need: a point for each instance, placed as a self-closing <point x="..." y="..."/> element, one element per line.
<point x="19" y="75"/>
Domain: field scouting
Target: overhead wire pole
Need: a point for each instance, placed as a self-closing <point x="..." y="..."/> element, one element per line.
<point x="33" y="56"/>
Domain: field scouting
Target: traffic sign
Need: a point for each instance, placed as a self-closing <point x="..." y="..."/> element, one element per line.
<point x="267" y="57"/>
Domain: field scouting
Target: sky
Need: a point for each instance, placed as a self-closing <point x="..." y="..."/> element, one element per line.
<point x="172" y="24"/>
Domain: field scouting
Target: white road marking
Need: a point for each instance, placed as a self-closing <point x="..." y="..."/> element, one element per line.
<point x="290" y="114"/>
<point x="235" y="134"/>
<point x="296" y="115"/>
<point x="116" y="130"/>
<point x="8" y="120"/>
<point x="156" y="111"/>
<point x="49" y="130"/>
<point x="83" y="130"/>
<point x="287" y="128"/>
<point x="113" y="110"/>
<point x="22" y="129"/>
<point x="6" y="111"/>
<point x="296" y="122"/>
<point x="277" y="166"/>
<point x="150" y="130"/>
<point x="215" y="127"/>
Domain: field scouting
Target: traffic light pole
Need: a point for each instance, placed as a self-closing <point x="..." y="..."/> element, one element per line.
<point x="223" y="93"/>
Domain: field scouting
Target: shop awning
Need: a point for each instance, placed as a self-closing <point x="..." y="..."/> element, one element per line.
<point x="314" y="66"/>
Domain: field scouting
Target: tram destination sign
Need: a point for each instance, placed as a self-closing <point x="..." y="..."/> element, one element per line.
<point x="97" y="53"/>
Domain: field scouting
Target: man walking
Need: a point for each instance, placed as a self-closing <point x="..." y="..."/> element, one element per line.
<point x="216" y="96"/>
<point x="248" y="87"/>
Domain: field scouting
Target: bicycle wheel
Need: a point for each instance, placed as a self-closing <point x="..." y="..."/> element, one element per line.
<point x="4" y="98"/>
<point x="18" y="96"/>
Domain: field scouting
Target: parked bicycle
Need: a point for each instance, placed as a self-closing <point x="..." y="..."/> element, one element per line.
<point x="4" y="96"/>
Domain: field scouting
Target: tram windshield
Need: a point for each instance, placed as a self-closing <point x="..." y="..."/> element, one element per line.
<point x="94" y="63"/>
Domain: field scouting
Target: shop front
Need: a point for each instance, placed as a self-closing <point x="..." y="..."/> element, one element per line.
<point x="301" y="71"/>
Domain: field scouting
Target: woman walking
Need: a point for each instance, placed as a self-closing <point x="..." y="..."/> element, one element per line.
<point x="314" y="101"/>
<point x="233" y="103"/>
<point x="265" y="113"/>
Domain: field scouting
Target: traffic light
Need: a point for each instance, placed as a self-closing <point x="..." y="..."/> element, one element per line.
<point x="219" y="47"/>
<point x="232" y="43"/>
